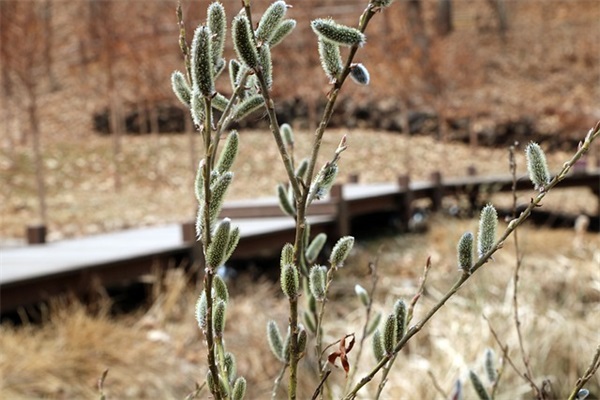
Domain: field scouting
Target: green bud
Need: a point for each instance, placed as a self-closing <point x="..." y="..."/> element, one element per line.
<point x="287" y="255"/>
<point x="315" y="247"/>
<point x="374" y="324"/>
<point x="302" y="168"/>
<point x="362" y="294"/>
<point x="217" y="247"/>
<point x="248" y="106"/>
<point x="264" y="57"/>
<point x="201" y="311"/>
<point x="340" y="251"/>
<point x="270" y="21"/>
<point x="400" y="311"/>
<point x="234" y="72"/>
<point x="200" y="222"/>
<point x="287" y="345"/>
<point x="302" y="339"/>
<point x="478" y="385"/>
<point x="537" y="166"/>
<point x="212" y="386"/>
<point x="239" y="389"/>
<point x="312" y="303"/>
<point x="197" y="107"/>
<point x="490" y="368"/>
<point x="339" y="34"/>
<point x="229" y="153"/>
<point x="243" y="43"/>
<point x="465" y="252"/>
<point x="199" y="182"/>
<point x="202" y="68"/>
<point x="310" y="323"/>
<point x="217" y="22"/>
<point x="289" y="281"/>
<point x="219" y="102"/>
<point x="323" y="181"/>
<point x="218" y="190"/>
<point x="230" y="366"/>
<point x="488" y="222"/>
<point x="220" y="291"/>
<point x="234" y="239"/>
<point x="284" y="201"/>
<point x="219" y="318"/>
<point x="181" y="88"/>
<point x="275" y="340"/>
<point x="390" y="333"/>
<point x="378" y="350"/>
<point x="287" y="134"/>
<point x="317" y="278"/>
<point x="360" y="74"/>
<point x="331" y="59"/>
<point x="285" y="28"/>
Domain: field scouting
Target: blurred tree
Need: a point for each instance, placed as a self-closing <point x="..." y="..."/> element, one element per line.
<point x="24" y="63"/>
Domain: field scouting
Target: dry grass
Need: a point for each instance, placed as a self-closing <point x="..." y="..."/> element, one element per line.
<point x="159" y="353"/>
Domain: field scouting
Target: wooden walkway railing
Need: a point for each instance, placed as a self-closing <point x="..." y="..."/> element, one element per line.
<point x="37" y="272"/>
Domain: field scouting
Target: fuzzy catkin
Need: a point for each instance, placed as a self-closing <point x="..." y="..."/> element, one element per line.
<point x="219" y="317"/>
<point x="289" y="281"/>
<point x="270" y="21"/>
<point x="229" y="152"/>
<point x="217" y="247"/>
<point x="285" y="28"/>
<point x="464" y="251"/>
<point x="331" y="59"/>
<point x="378" y="350"/>
<point x="342" y="35"/>
<point x="287" y="255"/>
<point x="202" y="68"/>
<point x="360" y="74"/>
<point x="390" y="333"/>
<point x="275" y="340"/>
<point x="181" y="88"/>
<point x="537" y="166"/>
<point x="401" y="313"/>
<point x="243" y="42"/>
<point x="220" y="289"/>
<point x="239" y="389"/>
<point x="248" y="106"/>
<point x="315" y="247"/>
<point x="317" y="277"/>
<point x="217" y="22"/>
<point x="488" y="223"/>
<point x="340" y="251"/>
<point x="478" y="386"/>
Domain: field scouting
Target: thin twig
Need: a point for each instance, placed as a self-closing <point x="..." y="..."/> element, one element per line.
<point x="277" y="382"/>
<point x="436" y="385"/>
<point x="518" y="264"/>
<point x="465" y="276"/>
<point x="587" y="375"/>
<point x="320" y="387"/>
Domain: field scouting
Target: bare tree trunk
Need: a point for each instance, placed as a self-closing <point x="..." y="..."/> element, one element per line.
<point x="37" y="155"/>
<point x="444" y="17"/>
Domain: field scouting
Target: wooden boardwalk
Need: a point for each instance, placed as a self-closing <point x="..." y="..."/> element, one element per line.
<point x="32" y="273"/>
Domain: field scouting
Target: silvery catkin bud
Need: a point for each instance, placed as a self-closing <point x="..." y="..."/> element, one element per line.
<point x="582" y="394"/>
<point x="340" y="251"/>
<point x="378" y="350"/>
<point x="270" y="21"/>
<point x="362" y="294"/>
<point x="275" y="340"/>
<point x="360" y="74"/>
<point x="197" y="107"/>
<point x="317" y="278"/>
<point x="181" y="88"/>
<point x="323" y="181"/>
<point x="390" y="333"/>
<point x="490" y="368"/>
<point x="219" y="318"/>
<point x="230" y="366"/>
<point x="284" y="201"/>
<point x="234" y="71"/>
<point x="219" y="102"/>
<point x="217" y="23"/>
<point x="243" y="43"/>
<point x="264" y="57"/>
<point x="201" y="310"/>
<point x="239" y="389"/>
<point x="234" y="239"/>
<point x="287" y="134"/>
<point x="478" y="385"/>
<point x="248" y="106"/>
<point x="289" y="281"/>
<point x="400" y="311"/>
<point x="374" y="323"/>
<point x="302" y="339"/>
<point x="219" y="67"/>
<point x="537" y="166"/>
<point x="199" y="182"/>
<point x="229" y="152"/>
<point x="488" y="222"/>
<point x="287" y="255"/>
<point x="331" y="59"/>
<point x="308" y="320"/>
<point x="220" y="291"/>
<point x="202" y="68"/>
<point x="315" y="247"/>
<point x="342" y="35"/>
<point x="218" y="245"/>
<point x="284" y="29"/>
<point x="218" y="190"/>
<point x="464" y="250"/>
<point x="302" y="168"/>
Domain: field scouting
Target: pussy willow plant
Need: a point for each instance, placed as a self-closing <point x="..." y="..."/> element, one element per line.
<point x="251" y="79"/>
